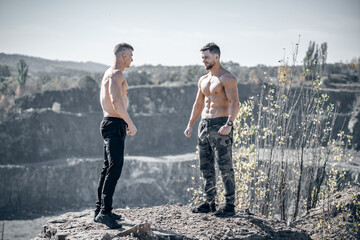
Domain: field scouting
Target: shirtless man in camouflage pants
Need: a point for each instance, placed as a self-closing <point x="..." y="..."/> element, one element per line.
<point x="217" y="102"/>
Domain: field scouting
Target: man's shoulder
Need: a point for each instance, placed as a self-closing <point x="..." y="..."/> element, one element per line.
<point x="227" y="77"/>
<point x="116" y="75"/>
<point x="203" y="77"/>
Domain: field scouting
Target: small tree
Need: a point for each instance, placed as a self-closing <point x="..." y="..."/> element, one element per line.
<point x="313" y="55"/>
<point x="308" y="57"/>
<point x="323" y="49"/>
<point x="22" y="70"/>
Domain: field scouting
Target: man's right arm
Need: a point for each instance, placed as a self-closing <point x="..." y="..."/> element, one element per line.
<point x="196" y="110"/>
<point x="117" y="100"/>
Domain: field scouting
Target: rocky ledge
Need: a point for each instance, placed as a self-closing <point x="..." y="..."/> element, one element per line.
<point x="168" y="222"/>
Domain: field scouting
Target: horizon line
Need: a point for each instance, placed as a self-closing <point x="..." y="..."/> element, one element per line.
<point x="159" y="64"/>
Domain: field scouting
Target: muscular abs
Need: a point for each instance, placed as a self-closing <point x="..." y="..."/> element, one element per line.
<point x="216" y="102"/>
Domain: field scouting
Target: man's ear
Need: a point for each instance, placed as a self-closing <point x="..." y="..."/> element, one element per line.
<point x="123" y="56"/>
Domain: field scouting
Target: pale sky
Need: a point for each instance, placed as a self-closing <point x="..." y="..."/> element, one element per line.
<point x="172" y="32"/>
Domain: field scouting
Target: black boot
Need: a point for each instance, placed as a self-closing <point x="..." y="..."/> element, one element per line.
<point x="204" y="208"/>
<point x="227" y="210"/>
<point x="108" y="220"/>
<point x="114" y="215"/>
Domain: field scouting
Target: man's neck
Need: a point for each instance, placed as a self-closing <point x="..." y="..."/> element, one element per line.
<point x="119" y="66"/>
<point x="216" y="69"/>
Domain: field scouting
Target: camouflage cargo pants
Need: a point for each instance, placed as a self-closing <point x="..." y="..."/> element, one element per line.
<point x="214" y="146"/>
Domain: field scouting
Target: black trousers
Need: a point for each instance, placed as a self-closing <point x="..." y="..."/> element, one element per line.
<point x="113" y="132"/>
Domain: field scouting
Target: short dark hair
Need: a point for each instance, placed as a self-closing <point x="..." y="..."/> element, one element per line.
<point x="122" y="46"/>
<point x="212" y="47"/>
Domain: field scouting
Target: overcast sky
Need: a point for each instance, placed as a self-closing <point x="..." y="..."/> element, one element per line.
<point x="172" y="32"/>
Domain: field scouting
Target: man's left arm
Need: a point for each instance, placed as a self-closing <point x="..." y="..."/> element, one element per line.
<point x="231" y="91"/>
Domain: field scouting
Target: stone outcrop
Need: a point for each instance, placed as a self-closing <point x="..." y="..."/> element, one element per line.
<point x="168" y="222"/>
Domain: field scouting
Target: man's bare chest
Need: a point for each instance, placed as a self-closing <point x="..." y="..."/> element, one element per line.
<point x="125" y="88"/>
<point x="211" y="86"/>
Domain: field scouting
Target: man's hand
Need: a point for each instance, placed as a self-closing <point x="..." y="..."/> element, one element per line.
<point x="225" y="130"/>
<point x="131" y="130"/>
<point x="188" y="131"/>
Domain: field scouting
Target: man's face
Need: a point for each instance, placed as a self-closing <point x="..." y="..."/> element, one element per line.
<point x="128" y="57"/>
<point x="209" y="59"/>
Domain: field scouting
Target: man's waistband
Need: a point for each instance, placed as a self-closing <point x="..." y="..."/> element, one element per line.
<point x="215" y="120"/>
<point x="114" y="119"/>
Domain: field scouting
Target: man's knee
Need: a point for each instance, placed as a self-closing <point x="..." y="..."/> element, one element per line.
<point x="225" y="162"/>
<point x="207" y="166"/>
<point x="205" y="155"/>
<point x="226" y="169"/>
<point x="115" y="169"/>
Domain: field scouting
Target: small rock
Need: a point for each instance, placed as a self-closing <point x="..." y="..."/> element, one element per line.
<point x="205" y="218"/>
<point x="247" y="211"/>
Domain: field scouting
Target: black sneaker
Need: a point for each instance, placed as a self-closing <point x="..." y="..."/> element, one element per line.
<point x="108" y="220"/>
<point x="204" y="208"/>
<point x="114" y="215"/>
<point x="227" y="210"/>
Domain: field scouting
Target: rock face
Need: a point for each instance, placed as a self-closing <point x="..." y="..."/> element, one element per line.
<point x="168" y="222"/>
<point x="57" y="124"/>
<point x="64" y="184"/>
<point x="41" y="132"/>
<point x="33" y="189"/>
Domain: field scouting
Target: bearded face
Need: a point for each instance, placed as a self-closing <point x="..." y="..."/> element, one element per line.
<point x="209" y="59"/>
<point x="209" y="66"/>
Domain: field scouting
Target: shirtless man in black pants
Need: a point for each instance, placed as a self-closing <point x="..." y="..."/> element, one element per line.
<point x="114" y="128"/>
